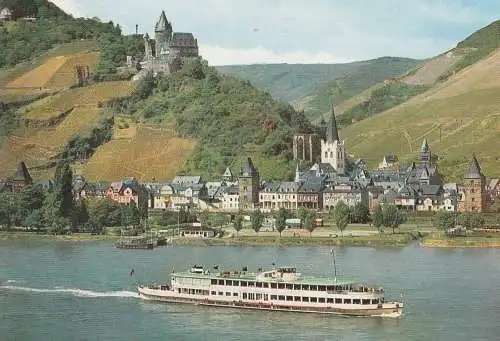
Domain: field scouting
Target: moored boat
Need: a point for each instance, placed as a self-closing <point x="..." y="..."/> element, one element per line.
<point x="280" y="288"/>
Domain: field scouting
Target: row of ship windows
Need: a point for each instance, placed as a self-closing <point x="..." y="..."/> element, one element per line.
<point x="309" y="287"/>
<point x="266" y="297"/>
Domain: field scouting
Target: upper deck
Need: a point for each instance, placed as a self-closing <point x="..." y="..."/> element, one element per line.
<point x="277" y="275"/>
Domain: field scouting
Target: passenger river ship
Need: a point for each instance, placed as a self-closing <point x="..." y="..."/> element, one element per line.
<point x="281" y="289"/>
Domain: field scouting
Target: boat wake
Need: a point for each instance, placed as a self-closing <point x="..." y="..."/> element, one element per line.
<point x="74" y="291"/>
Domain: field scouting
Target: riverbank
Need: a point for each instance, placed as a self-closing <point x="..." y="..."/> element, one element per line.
<point x="398" y="239"/>
<point x="77" y="237"/>
<point x="441" y="241"/>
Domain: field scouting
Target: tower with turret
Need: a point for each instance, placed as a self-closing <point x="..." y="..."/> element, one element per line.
<point x="249" y="183"/>
<point x="163" y="36"/>
<point x="474" y="199"/>
<point x="332" y="148"/>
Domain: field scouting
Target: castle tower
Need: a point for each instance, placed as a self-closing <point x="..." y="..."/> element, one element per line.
<point x="425" y="154"/>
<point x="249" y="183"/>
<point x="148" y="51"/>
<point x="333" y="149"/>
<point x="474" y="188"/>
<point x="163" y="36"/>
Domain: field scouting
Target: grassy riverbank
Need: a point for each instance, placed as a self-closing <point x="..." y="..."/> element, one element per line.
<point x="440" y="240"/>
<point x="398" y="239"/>
<point x="77" y="237"/>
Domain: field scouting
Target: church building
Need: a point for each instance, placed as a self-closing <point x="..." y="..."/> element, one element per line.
<point x="333" y="150"/>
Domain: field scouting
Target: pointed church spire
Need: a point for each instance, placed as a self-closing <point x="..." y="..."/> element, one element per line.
<point x="332" y="133"/>
<point x="425" y="146"/>
<point x="474" y="171"/>
<point x="162" y="23"/>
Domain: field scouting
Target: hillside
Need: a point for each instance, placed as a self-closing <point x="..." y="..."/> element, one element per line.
<point x="22" y="40"/>
<point x="384" y="96"/>
<point x="313" y="87"/>
<point x="46" y="125"/>
<point x="200" y="122"/>
<point x="459" y="116"/>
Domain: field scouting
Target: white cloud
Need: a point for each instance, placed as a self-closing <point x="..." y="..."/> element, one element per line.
<point x="217" y="55"/>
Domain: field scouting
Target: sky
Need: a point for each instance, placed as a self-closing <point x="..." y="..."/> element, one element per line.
<point x="300" y="31"/>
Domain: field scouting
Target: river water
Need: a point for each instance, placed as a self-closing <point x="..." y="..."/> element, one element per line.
<point x="83" y="291"/>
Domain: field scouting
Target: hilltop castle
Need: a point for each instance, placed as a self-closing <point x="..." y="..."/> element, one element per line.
<point x="168" y="51"/>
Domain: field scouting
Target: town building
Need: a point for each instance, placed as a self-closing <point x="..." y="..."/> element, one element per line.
<point x="349" y="194"/>
<point x="474" y="195"/>
<point x="333" y="150"/>
<point x="128" y="192"/>
<point x="168" y="51"/>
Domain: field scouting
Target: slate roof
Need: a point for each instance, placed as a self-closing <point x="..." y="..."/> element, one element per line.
<point x="332" y="133"/>
<point x="183" y="39"/>
<point x="248" y="169"/>
<point x="22" y="174"/>
<point x="162" y="23"/>
<point x="186" y="180"/>
<point x="474" y="171"/>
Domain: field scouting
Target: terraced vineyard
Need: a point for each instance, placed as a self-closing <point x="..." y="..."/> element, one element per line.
<point x="36" y="146"/>
<point x="151" y="153"/>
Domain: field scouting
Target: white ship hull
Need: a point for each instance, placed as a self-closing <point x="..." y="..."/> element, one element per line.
<point x="386" y="309"/>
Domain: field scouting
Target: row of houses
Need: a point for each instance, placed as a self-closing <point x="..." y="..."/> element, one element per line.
<point x="415" y="187"/>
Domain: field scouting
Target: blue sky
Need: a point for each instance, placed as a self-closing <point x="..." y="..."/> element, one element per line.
<point x="300" y="31"/>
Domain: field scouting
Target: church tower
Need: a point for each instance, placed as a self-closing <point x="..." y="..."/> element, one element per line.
<point x="474" y="188"/>
<point x="333" y="149"/>
<point x="163" y="36"/>
<point x="425" y="154"/>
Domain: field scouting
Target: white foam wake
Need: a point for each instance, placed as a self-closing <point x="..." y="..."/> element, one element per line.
<point x="75" y="292"/>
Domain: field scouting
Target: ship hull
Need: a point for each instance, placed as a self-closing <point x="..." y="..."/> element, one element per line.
<point x="388" y="309"/>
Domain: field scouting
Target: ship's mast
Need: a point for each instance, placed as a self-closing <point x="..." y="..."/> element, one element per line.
<point x="334" y="265"/>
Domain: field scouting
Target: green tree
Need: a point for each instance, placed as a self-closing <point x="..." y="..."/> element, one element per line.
<point x="5" y="210"/>
<point x="302" y="214"/>
<point x="63" y="187"/>
<point x="310" y="222"/>
<point x="361" y="213"/>
<point x="280" y="220"/>
<point x="341" y="216"/>
<point x="256" y="219"/>
<point x="238" y="223"/>
<point x="35" y="221"/>
<point x="131" y="216"/>
<point x="444" y="220"/>
<point x="79" y="216"/>
<point x="392" y="217"/>
<point x="377" y="217"/>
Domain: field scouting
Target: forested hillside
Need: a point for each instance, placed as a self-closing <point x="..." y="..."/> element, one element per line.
<point x="229" y="118"/>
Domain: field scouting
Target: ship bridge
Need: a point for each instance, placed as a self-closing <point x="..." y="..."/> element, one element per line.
<point x="283" y="273"/>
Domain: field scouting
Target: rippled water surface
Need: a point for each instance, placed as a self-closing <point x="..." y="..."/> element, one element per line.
<point x="72" y="291"/>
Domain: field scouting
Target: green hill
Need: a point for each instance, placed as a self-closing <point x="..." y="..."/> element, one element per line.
<point x="386" y="95"/>
<point x="458" y="113"/>
<point x="228" y="118"/>
<point x="313" y="87"/>
<point x="23" y="40"/>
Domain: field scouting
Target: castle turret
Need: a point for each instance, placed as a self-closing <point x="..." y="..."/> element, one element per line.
<point x="333" y="149"/>
<point x="163" y="35"/>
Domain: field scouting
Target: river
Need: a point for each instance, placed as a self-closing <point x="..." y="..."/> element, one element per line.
<point x="83" y="291"/>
